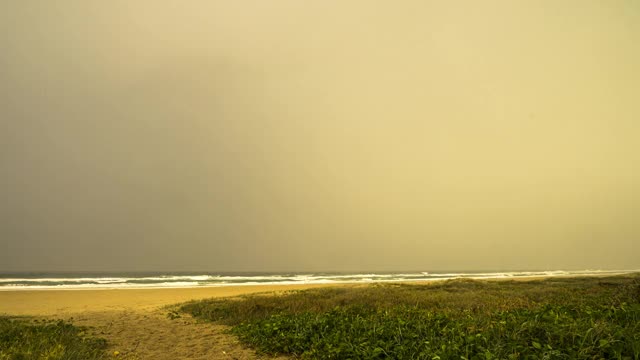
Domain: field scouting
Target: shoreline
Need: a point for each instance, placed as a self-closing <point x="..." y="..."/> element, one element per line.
<point x="319" y="282"/>
<point x="65" y="302"/>
<point x="137" y="324"/>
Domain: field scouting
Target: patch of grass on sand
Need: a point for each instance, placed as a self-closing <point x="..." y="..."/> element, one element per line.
<point x="560" y="318"/>
<point x="47" y="340"/>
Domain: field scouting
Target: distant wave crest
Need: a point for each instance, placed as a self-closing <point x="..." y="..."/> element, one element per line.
<point x="31" y="282"/>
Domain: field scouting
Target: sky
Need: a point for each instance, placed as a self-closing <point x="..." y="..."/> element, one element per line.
<point x="319" y="135"/>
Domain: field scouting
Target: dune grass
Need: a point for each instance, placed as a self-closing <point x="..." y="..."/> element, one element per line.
<point x="562" y="318"/>
<point x="22" y="338"/>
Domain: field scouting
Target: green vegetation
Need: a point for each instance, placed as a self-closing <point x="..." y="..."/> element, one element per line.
<point x="563" y="318"/>
<point x="47" y="340"/>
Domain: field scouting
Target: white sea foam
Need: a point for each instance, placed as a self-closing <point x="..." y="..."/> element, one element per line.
<point x="215" y="280"/>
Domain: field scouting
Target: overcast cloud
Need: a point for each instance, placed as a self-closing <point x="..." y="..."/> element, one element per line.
<point x="319" y="135"/>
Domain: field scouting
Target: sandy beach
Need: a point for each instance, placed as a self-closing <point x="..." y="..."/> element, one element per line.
<point x="135" y="321"/>
<point x="69" y="302"/>
<point x="136" y="324"/>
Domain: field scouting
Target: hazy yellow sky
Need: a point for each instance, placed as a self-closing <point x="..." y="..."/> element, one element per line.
<point x="319" y="135"/>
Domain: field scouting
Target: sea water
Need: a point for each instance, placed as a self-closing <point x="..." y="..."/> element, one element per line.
<point x="112" y="280"/>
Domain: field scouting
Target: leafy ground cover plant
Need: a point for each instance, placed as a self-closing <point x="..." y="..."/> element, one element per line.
<point x="47" y="340"/>
<point x="573" y="318"/>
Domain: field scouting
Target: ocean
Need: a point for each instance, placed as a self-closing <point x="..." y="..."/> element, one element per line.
<point x="51" y="281"/>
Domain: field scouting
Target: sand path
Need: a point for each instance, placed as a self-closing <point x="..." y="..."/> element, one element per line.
<point x="153" y="335"/>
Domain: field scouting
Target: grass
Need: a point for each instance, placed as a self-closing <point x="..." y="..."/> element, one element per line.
<point x="22" y="338"/>
<point x="562" y="318"/>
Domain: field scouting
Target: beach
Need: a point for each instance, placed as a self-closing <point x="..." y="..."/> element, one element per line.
<point x="143" y="324"/>
<point x="136" y="324"/>
<point x="135" y="321"/>
<point x="70" y="302"/>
